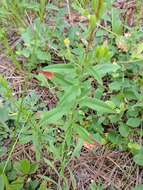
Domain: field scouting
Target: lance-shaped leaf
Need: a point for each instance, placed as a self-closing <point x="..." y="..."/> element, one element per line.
<point x="103" y="69"/>
<point x="84" y="134"/>
<point x="96" y="104"/>
<point x="117" y="26"/>
<point x="95" y="74"/>
<point x="60" y="68"/>
<point x="65" y="104"/>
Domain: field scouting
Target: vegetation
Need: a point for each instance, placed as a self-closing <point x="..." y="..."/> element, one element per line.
<point x="90" y="59"/>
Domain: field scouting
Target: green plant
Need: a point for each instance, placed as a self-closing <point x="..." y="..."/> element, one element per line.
<point x="97" y="78"/>
<point x="18" y="176"/>
<point x="15" y="14"/>
<point x="18" y="120"/>
<point x="8" y="48"/>
<point x="78" y="97"/>
<point x="93" y="186"/>
<point x="35" y="47"/>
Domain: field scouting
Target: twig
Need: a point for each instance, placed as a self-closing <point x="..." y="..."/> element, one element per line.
<point x="69" y="12"/>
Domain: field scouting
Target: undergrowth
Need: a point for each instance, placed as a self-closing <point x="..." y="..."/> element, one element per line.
<point x="91" y="60"/>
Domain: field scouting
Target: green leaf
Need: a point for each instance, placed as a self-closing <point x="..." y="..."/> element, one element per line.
<point x="53" y="116"/>
<point x="25" y="166"/>
<point x="124" y="130"/>
<point x="116" y="85"/>
<point x="5" y="179"/>
<point x="24" y="52"/>
<point x="77" y="149"/>
<point x="59" y="79"/>
<point x="27" y="36"/>
<point x="56" y="151"/>
<point x="94" y="186"/>
<point x="103" y="69"/>
<point x="97" y="105"/>
<point x="114" y="138"/>
<point x="64" y="106"/>
<point x="12" y="175"/>
<point x="117" y="26"/>
<point x="103" y="54"/>
<point x="138" y="159"/>
<point x="5" y="90"/>
<point x="43" y="186"/>
<point x="84" y="134"/>
<point x="43" y="56"/>
<point x="134" y="122"/>
<point x="60" y="68"/>
<point x="68" y="136"/>
<point x="70" y="94"/>
<point x="36" y="140"/>
<point x="42" y="79"/>
<point x="92" y="23"/>
<point x="95" y="74"/>
<point x="56" y="114"/>
<point x="138" y="105"/>
<point x="3" y="114"/>
<point x="99" y="139"/>
<point x="138" y="187"/>
<point x="17" y="184"/>
<point x="134" y="147"/>
<point x="33" y="168"/>
<point x="8" y="166"/>
<point x="22" y="166"/>
<point x="1" y="183"/>
<point x="33" y="184"/>
<point x="99" y="93"/>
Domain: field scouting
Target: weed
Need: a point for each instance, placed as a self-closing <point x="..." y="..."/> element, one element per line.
<point x="95" y="69"/>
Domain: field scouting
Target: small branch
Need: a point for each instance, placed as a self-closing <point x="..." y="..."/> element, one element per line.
<point x="69" y="12"/>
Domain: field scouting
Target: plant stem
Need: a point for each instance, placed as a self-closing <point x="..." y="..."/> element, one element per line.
<point x="13" y="147"/>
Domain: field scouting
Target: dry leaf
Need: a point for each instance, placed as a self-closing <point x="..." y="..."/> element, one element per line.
<point x="90" y="146"/>
<point x="122" y="45"/>
<point x="47" y="74"/>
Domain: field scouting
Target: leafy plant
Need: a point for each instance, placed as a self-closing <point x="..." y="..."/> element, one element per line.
<point x="16" y="175"/>
<point x="95" y="70"/>
<point x="93" y="186"/>
<point x="77" y="96"/>
<point x="35" y="47"/>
